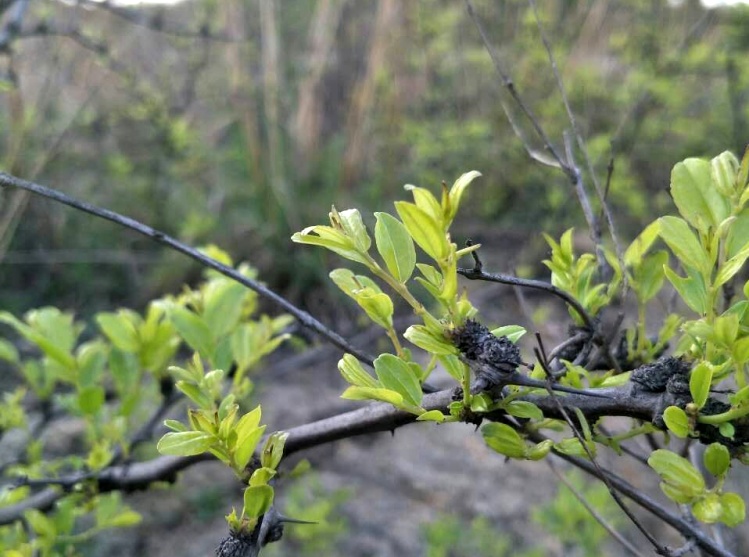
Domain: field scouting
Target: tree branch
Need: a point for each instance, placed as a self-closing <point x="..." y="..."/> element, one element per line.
<point x="8" y="181"/>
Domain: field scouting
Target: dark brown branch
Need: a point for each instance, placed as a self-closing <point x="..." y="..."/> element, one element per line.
<point x="8" y="181"/>
<point x="478" y="274"/>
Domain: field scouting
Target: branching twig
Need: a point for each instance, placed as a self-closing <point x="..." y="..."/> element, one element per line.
<point x="593" y="512"/>
<point x="478" y="274"/>
<point x="8" y="181"/>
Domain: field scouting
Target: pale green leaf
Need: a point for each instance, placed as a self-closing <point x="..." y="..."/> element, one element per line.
<point x="353" y="372"/>
<point x="717" y="459"/>
<point x="395" y="246"/>
<point x="257" y="500"/>
<point x="698" y="201"/>
<point x="639" y="247"/>
<point x="677" y="472"/>
<point x="119" y="330"/>
<point x="683" y="242"/>
<point x="734" y="510"/>
<point x="185" y="443"/>
<point x="699" y="383"/>
<point x="504" y="440"/>
<point x="368" y="393"/>
<point x="677" y="421"/>
<point x="426" y="340"/>
<point x="425" y="231"/>
<point x="395" y="374"/>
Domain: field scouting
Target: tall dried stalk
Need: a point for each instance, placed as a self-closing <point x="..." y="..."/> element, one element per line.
<point x="363" y="99"/>
<point x="308" y="120"/>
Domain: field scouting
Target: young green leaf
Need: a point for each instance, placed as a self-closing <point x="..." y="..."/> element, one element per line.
<point x="119" y="330"/>
<point x="426" y="340"/>
<point x="185" y="443"/>
<point x="732" y="266"/>
<point x="708" y="509"/>
<point x="332" y="239"/>
<point x="734" y="510"/>
<point x="257" y="500"/>
<point x="717" y="459"/>
<point x="425" y="231"/>
<point x="639" y="247"/>
<point x="395" y="246"/>
<point x="368" y="393"/>
<point x="685" y="245"/>
<point x="426" y="201"/>
<point x="723" y="170"/>
<point x="523" y="409"/>
<point x="353" y="372"/>
<point x="456" y="193"/>
<point x="504" y="440"/>
<point x="431" y="416"/>
<point x="699" y="383"/>
<point x="512" y="332"/>
<point x="691" y="289"/>
<point x="193" y="329"/>
<point x="377" y="305"/>
<point x="396" y="375"/>
<point x="677" y="421"/>
<point x="698" y="201"/>
<point x="677" y="473"/>
<point x="273" y="449"/>
<point x="353" y="226"/>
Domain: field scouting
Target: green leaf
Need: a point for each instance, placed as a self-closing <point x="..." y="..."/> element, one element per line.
<point x="367" y="393"/>
<point x="273" y="450"/>
<point x="246" y="444"/>
<point x="696" y="198"/>
<point x="42" y="525"/>
<point x="257" y="500"/>
<point x="52" y="349"/>
<point x="708" y="509"/>
<point x="424" y="230"/>
<point x="396" y="375"/>
<point x="639" y="247"/>
<point x="125" y="519"/>
<point x="223" y="306"/>
<point x="120" y="330"/>
<point x="456" y="193"/>
<point x="734" y="510"/>
<point x="699" y="383"/>
<point x="691" y="289"/>
<point x="677" y="421"/>
<point x="717" y="459"/>
<point x="8" y="352"/>
<point x="523" y="409"/>
<point x="685" y="245"/>
<point x="678" y="473"/>
<point x="540" y="450"/>
<point x="185" y="443"/>
<point x="504" y="440"/>
<point x="732" y="266"/>
<point x="175" y="425"/>
<point x="426" y="340"/>
<point x="378" y="306"/>
<point x="723" y="169"/>
<point x="91" y="358"/>
<point x="332" y="239"/>
<point x="193" y="330"/>
<point x="453" y="366"/>
<point x="512" y="332"/>
<point x="353" y="226"/>
<point x="395" y="246"/>
<point x="262" y="476"/>
<point x="431" y="416"/>
<point x="353" y="372"/>
<point x="426" y="202"/>
<point x="648" y="275"/>
<point x="90" y="399"/>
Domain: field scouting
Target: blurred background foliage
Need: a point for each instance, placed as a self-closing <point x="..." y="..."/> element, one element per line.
<point x="238" y="122"/>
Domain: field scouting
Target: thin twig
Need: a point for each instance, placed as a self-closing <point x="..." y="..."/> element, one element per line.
<point x="478" y="274"/>
<point x="579" y="138"/>
<point x="661" y="550"/>
<point x="593" y="512"/>
<point x="8" y="181"/>
<point x="556" y="160"/>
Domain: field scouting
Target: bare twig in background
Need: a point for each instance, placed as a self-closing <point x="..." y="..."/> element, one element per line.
<point x="8" y="181"/>
<point x="594" y="513"/>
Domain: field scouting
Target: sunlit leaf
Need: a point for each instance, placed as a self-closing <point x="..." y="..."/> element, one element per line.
<point x="395" y="246"/>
